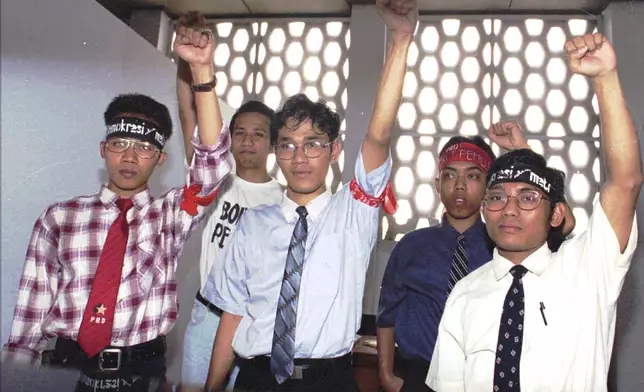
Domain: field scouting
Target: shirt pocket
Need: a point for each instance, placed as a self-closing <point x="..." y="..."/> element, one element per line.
<point x="150" y="263"/>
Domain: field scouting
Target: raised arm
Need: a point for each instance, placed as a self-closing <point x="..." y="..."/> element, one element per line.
<point x="211" y="144"/>
<point x="36" y="293"/>
<point x="400" y="16"/>
<point x="185" y="96"/>
<point x="593" y="56"/>
<point x="196" y="47"/>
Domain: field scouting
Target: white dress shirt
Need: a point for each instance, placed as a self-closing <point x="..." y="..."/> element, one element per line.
<point x="578" y="286"/>
<point x="235" y="196"/>
<point x="341" y="235"/>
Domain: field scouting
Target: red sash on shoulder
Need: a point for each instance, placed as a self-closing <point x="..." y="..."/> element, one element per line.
<point x="191" y="200"/>
<point x="387" y="199"/>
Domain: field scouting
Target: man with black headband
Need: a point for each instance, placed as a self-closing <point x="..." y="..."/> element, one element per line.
<point x="426" y="263"/>
<point x="100" y="269"/>
<point x="531" y="319"/>
<point x="250" y="185"/>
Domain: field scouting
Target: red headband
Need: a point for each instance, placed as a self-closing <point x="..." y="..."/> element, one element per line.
<point x="465" y="152"/>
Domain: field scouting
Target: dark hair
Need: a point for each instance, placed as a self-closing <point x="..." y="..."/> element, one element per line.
<point x="253" y="107"/>
<point x="300" y="108"/>
<point x="555" y="236"/>
<point x="476" y="140"/>
<point x="527" y="157"/>
<point x="141" y="105"/>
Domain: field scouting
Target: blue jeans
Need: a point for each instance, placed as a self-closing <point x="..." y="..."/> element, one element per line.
<point x="197" y="347"/>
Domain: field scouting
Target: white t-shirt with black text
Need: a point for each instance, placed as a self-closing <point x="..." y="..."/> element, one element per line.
<point x="235" y="197"/>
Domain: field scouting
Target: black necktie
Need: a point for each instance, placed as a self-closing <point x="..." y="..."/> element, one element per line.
<point x="508" y="349"/>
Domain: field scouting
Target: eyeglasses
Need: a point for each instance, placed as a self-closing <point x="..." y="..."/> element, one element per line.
<point x="142" y="149"/>
<point x="526" y="200"/>
<point x="311" y="149"/>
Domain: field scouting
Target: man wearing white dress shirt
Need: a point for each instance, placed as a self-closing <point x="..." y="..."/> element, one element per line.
<point x="294" y="273"/>
<point x="532" y="320"/>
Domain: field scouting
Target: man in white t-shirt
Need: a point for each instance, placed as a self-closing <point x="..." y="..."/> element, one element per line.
<point x="248" y="186"/>
<point x="532" y="320"/>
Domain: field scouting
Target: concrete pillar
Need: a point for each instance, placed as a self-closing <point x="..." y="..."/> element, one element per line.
<point x="623" y="25"/>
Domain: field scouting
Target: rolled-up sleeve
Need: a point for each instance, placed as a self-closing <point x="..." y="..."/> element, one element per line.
<point x="210" y="166"/>
<point x="373" y="183"/>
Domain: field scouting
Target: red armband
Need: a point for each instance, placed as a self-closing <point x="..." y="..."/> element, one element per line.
<point x="387" y="200"/>
<point x="191" y="200"/>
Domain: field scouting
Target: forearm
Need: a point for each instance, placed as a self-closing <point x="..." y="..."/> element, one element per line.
<point x="211" y="142"/>
<point x="619" y="141"/>
<point x="375" y="147"/>
<point x="187" y="111"/>
<point x="386" y="352"/>
<point x="207" y="105"/>
<point x="222" y="357"/>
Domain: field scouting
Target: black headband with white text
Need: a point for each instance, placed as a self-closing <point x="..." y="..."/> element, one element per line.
<point x="136" y="128"/>
<point x="541" y="178"/>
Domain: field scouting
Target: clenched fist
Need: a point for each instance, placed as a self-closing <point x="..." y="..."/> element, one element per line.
<point x="400" y="16"/>
<point x="591" y="55"/>
<point x="508" y="135"/>
<point x="194" y="43"/>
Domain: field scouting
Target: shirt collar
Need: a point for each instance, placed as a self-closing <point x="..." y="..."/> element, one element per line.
<point x="314" y="207"/>
<point x="109" y="198"/>
<point x="474" y="233"/>
<point x="536" y="263"/>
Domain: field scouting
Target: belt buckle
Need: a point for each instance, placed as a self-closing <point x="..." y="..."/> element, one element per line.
<point x="116" y="351"/>
<point x="297" y="373"/>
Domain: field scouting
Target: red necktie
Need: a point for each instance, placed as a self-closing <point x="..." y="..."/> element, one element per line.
<point x="96" y="328"/>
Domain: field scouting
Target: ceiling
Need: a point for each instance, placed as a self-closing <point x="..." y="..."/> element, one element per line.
<point x="246" y="8"/>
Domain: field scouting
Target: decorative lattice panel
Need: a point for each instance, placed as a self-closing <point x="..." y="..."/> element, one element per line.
<point x="275" y="59"/>
<point x="464" y="73"/>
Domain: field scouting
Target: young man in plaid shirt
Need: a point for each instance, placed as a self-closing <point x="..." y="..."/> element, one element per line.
<point x="100" y="269"/>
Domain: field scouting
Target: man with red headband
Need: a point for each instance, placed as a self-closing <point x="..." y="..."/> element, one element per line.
<point x="426" y="264"/>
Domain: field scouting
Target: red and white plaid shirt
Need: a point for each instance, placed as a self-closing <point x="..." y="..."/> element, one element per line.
<point x="64" y="252"/>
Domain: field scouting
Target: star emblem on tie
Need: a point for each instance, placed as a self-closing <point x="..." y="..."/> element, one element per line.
<point x="100" y="309"/>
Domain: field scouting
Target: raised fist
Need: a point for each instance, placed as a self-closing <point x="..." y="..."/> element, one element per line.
<point x="508" y="135"/>
<point x="591" y="55"/>
<point x="194" y="43"/>
<point x="400" y="16"/>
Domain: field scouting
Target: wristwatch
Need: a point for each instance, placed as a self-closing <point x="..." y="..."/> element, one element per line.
<point x="204" y="87"/>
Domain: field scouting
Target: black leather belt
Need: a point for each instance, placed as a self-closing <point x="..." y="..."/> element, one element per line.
<point x="305" y="368"/>
<point x="68" y="352"/>
<point x="212" y="307"/>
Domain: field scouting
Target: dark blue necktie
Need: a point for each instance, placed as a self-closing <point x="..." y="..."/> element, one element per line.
<point x="508" y="349"/>
<point x="283" y="350"/>
<point x="459" y="263"/>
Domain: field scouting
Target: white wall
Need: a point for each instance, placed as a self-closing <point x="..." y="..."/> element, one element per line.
<point x="62" y="62"/>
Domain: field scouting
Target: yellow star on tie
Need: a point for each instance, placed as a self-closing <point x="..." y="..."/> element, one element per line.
<point x="100" y="309"/>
